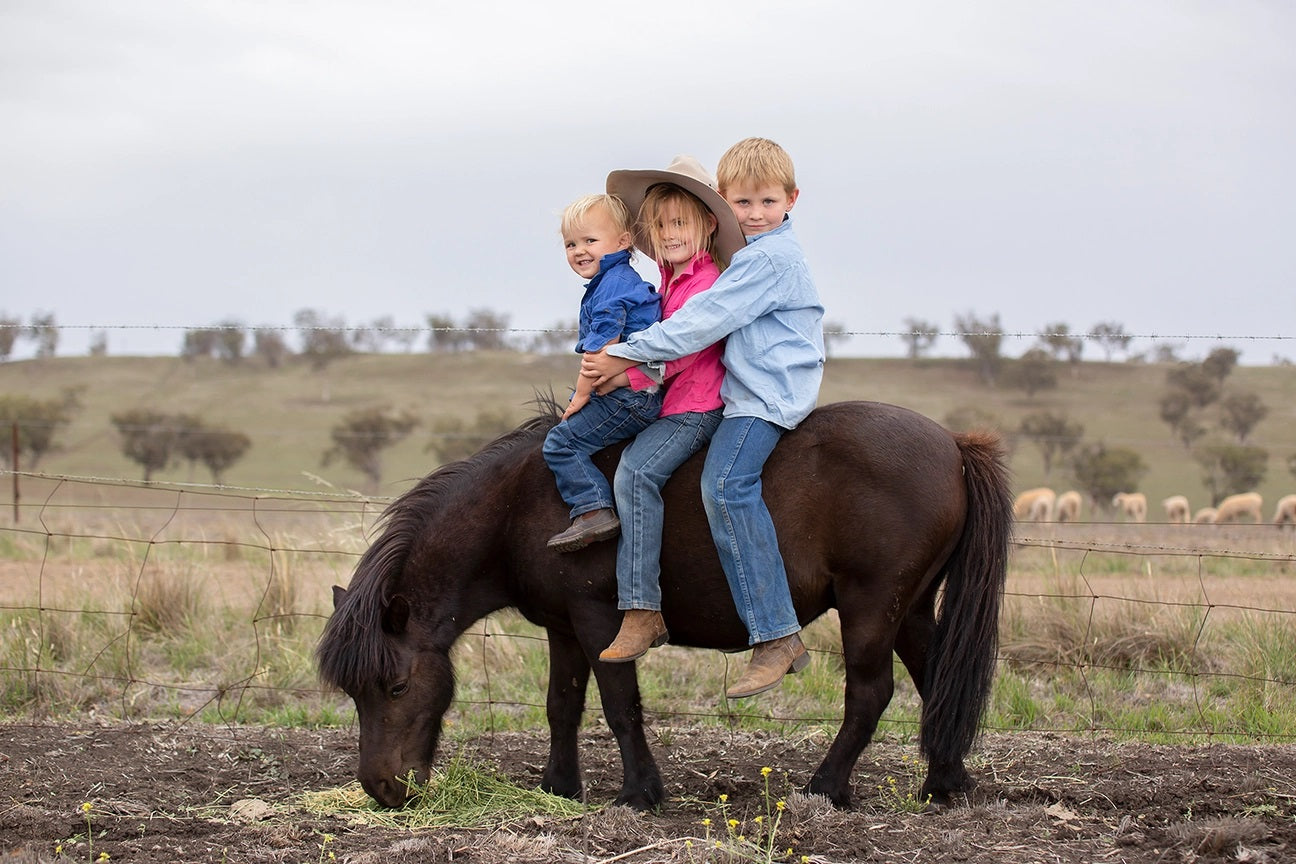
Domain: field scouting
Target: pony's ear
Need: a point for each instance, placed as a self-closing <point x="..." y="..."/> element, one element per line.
<point x="339" y="594"/>
<point x="396" y="616"/>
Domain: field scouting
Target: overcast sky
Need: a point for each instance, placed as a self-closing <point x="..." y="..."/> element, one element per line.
<point x="182" y="163"/>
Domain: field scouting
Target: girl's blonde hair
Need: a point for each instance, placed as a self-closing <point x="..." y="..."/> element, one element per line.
<point x="690" y="207"/>
<point x="573" y="216"/>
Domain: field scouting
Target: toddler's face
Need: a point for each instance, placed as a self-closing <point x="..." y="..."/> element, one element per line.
<point x="759" y="207"/>
<point x="591" y="240"/>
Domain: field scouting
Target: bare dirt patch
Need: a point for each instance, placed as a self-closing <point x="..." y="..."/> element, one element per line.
<point x="168" y="793"/>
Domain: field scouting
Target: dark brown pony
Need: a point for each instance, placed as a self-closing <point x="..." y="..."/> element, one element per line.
<point x="876" y="507"/>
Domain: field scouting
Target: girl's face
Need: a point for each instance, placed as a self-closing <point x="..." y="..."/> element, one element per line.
<point x="679" y="237"/>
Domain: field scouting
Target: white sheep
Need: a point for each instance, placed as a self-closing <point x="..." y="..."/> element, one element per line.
<point x="1177" y="509"/>
<point x="1035" y="505"/>
<point x="1132" y="504"/>
<point x="1235" y="506"/>
<point x="1068" y="507"/>
<point x="1286" y="510"/>
<point x="1205" y="516"/>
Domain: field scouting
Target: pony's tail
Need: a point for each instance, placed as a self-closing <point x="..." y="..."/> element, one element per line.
<point x="964" y="648"/>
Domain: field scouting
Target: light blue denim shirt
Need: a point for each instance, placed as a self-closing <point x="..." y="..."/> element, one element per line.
<point x="768" y="306"/>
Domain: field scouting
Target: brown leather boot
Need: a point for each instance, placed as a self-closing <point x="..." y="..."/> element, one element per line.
<point x="585" y="529"/>
<point x="770" y="661"/>
<point x="641" y="629"/>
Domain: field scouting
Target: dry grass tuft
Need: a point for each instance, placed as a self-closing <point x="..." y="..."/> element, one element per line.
<point x="167" y="603"/>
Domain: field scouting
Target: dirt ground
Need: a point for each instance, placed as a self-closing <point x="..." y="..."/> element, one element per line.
<point x="190" y="793"/>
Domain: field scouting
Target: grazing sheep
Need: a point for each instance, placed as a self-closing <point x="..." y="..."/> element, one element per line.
<point x="1205" y="516"/>
<point x="1235" y="506"/>
<point x="1132" y="504"/>
<point x="1068" y="507"/>
<point x="1285" y="512"/>
<point x="1035" y="505"/>
<point x="1177" y="509"/>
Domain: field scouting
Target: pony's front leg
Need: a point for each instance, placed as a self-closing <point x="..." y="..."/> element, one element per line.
<point x="569" y="671"/>
<point x="641" y="784"/>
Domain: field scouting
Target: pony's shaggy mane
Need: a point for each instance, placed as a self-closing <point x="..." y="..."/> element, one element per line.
<point x="353" y="650"/>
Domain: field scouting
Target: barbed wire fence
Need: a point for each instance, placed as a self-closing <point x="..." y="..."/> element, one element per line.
<point x="130" y="600"/>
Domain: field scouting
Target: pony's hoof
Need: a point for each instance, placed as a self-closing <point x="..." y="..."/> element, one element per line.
<point x="641" y="799"/>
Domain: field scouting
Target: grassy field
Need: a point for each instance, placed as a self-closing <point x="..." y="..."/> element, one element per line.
<point x="185" y="601"/>
<point x="289" y="412"/>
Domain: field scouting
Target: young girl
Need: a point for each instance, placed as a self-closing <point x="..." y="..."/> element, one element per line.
<point x="691" y="232"/>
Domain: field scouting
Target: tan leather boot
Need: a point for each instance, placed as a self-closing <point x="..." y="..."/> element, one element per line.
<point x="770" y="661"/>
<point x="641" y="629"/>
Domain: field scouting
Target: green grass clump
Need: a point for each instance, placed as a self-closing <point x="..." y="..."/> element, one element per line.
<point x="460" y="795"/>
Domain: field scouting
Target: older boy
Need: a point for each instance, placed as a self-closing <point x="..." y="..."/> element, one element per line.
<point x="768" y="307"/>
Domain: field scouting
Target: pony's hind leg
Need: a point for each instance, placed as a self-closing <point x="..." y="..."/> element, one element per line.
<point x="944" y="779"/>
<point x="869" y="685"/>
<point x="569" y="671"/>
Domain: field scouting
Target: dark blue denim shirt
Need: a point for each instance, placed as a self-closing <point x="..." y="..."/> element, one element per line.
<point x="617" y="302"/>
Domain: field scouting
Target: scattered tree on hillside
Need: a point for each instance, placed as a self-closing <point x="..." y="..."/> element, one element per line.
<point x="45" y="331"/>
<point x="967" y="418"/>
<point x="1240" y="412"/>
<point x="919" y="336"/>
<point x="1061" y="344"/>
<point x="558" y="338"/>
<point x="39" y="422"/>
<point x="1032" y="372"/>
<point x="983" y="339"/>
<point x="1055" y="435"/>
<point x="268" y="344"/>
<point x="323" y="340"/>
<point x="1177" y="412"/>
<point x="488" y="330"/>
<point x="364" y="434"/>
<point x="1228" y="469"/>
<point x="1102" y="471"/>
<point x="1111" y="336"/>
<point x="452" y="439"/>
<point x="1219" y="363"/>
<point x="1192" y="379"/>
<point x="148" y="438"/>
<point x="10" y="330"/>
<point x="230" y="341"/>
<point x="99" y="344"/>
<point x="217" y="449"/>
<point x="198" y="342"/>
<point x="1166" y="352"/>
<point x="444" y="336"/>
<point x="373" y="338"/>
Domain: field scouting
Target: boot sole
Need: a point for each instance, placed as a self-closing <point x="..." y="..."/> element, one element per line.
<point x="580" y="541"/>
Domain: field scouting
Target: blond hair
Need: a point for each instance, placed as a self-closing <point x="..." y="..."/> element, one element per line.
<point x="757" y="161"/>
<point x="701" y="232"/>
<point x="575" y="214"/>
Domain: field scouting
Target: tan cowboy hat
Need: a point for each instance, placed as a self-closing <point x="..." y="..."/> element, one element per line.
<point x="686" y="172"/>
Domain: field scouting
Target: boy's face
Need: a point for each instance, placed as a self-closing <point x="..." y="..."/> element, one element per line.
<point x="589" y="241"/>
<point x="760" y="207"/>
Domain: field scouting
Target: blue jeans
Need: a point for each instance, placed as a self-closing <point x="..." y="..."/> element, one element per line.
<point x="645" y="467"/>
<point x="742" y="527"/>
<point x="603" y="421"/>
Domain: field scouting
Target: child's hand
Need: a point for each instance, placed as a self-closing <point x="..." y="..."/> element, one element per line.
<point x="578" y="401"/>
<point x="603" y="367"/>
<point x="621" y="380"/>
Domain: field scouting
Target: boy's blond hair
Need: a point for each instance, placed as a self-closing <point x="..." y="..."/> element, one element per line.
<point x="757" y="161"/>
<point x="698" y="214"/>
<point x="576" y="212"/>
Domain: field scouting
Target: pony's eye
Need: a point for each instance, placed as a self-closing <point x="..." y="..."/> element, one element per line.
<point x="399" y="690"/>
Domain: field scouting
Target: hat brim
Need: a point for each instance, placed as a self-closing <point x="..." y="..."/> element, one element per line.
<point x="632" y="188"/>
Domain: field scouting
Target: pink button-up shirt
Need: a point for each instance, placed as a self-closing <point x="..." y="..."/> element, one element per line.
<point x="692" y="382"/>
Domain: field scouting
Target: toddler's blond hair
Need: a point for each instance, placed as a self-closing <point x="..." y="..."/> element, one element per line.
<point x="574" y="215"/>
